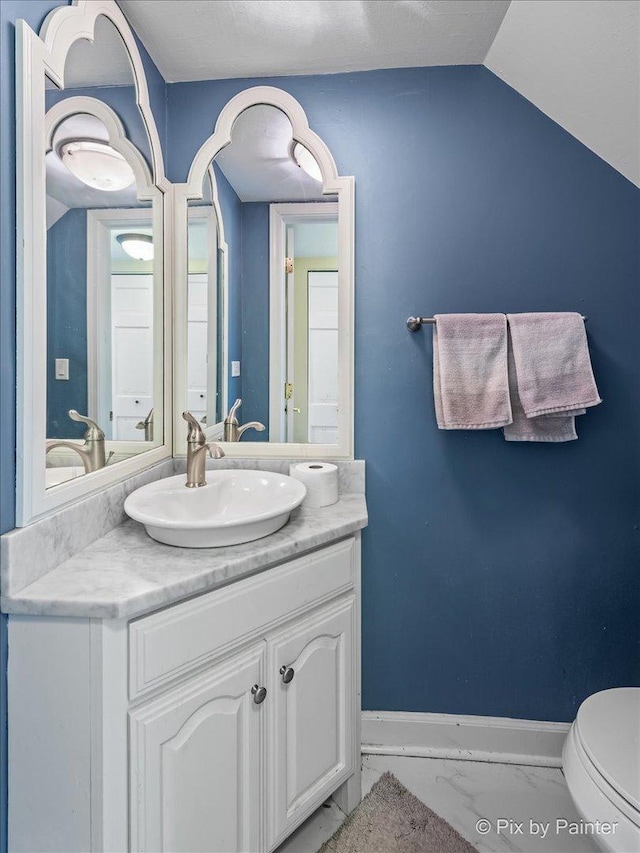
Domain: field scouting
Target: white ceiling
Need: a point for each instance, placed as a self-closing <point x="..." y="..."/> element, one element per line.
<point x="579" y="62"/>
<point x="211" y="40"/>
<point x="102" y="62"/>
<point x="258" y="162"/>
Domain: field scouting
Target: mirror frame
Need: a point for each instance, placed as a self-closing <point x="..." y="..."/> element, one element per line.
<point x="213" y="432"/>
<point x="333" y="184"/>
<point x="38" y="57"/>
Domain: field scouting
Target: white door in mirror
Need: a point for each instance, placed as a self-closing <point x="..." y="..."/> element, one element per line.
<point x="234" y="507"/>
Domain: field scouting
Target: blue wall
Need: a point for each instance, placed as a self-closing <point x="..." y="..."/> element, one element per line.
<point x="499" y="578"/>
<point x="255" y="307"/>
<point x="67" y="322"/>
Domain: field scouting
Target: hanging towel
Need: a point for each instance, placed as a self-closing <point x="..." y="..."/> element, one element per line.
<point x="470" y="382"/>
<point x="560" y="427"/>
<point x="552" y="364"/>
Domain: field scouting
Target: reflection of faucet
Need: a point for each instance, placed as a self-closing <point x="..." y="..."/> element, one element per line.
<point x="147" y="426"/>
<point x="232" y="431"/>
<point x="92" y="451"/>
<point x="197" y="449"/>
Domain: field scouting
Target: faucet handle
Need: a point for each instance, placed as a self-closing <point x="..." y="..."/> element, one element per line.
<point x="93" y="433"/>
<point x="194" y="434"/>
<point x="231" y="417"/>
<point x="251" y="425"/>
<point x="215" y="451"/>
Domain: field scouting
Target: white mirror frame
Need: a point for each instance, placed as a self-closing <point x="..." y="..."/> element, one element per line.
<point x="180" y="331"/>
<point x="37" y="57"/>
<point x="333" y="184"/>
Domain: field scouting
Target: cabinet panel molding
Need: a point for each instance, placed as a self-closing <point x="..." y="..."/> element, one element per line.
<point x="311" y="739"/>
<point x="196" y="762"/>
<point x="174" y="641"/>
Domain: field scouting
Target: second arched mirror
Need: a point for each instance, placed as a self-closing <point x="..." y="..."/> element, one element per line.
<point x="264" y="280"/>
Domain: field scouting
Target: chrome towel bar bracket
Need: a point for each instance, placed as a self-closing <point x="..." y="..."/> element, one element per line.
<point x="414" y="324"/>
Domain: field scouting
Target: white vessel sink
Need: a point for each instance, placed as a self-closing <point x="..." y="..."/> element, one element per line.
<point x="235" y="506"/>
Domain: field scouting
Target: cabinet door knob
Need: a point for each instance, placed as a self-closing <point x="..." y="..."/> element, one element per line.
<point x="259" y="694"/>
<point x="287" y="673"/>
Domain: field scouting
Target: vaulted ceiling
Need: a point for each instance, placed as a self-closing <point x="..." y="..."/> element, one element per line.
<point x="579" y="62"/>
<point x="576" y="60"/>
<point x="205" y="40"/>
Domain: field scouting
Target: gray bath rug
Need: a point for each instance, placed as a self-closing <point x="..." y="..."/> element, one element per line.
<point x="391" y="820"/>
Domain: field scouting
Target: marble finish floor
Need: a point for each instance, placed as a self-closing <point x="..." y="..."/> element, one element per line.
<point x="464" y="792"/>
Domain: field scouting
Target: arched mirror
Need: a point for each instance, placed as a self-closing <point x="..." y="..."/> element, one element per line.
<point x="91" y="276"/>
<point x="104" y="293"/>
<point x="266" y="299"/>
<point x="207" y="393"/>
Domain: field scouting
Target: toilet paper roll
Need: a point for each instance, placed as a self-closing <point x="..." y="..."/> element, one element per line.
<point x="321" y="480"/>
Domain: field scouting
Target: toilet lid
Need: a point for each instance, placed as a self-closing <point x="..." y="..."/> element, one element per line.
<point x="608" y="726"/>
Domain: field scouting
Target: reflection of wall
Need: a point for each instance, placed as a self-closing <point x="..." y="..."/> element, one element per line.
<point x="230" y="206"/>
<point x="301" y="338"/>
<point x="67" y="322"/>
<point x="255" y="315"/>
<point x="486" y="564"/>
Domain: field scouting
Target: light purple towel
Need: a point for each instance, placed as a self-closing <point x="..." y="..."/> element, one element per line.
<point x="561" y="427"/>
<point x="470" y="382"/>
<point x="551" y="380"/>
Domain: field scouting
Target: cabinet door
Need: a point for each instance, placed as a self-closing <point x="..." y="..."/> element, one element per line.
<point x="196" y="762"/>
<point x="312" y="749"/>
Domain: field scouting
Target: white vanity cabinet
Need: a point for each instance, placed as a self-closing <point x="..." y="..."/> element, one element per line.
<point x="196" y="762"/>
<point x="312" y="743"/>
<point x="217" y="724"/>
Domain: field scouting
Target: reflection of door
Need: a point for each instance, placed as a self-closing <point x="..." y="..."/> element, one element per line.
<point x="197" y="345"/>
<point x="131" y="353"/>
<point x="315" y="225"/>
<point x="290" y="400"/>
<point x="203" y="295"/>
<point x="323" y="357"/>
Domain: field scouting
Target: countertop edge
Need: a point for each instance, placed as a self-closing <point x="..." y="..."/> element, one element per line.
<point x="23" y="604"/>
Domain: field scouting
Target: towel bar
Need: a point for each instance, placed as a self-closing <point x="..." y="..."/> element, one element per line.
<point x="416" y="323"/>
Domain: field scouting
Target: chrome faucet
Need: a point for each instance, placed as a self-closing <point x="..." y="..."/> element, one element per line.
<point x="232" y="430"/>
<point x="92" y="452"/>
<point x="147" y="426"/>
<point x="197" y="448"/>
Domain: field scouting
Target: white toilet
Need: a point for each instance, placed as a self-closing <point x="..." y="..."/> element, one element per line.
<point x="601" y="763"/>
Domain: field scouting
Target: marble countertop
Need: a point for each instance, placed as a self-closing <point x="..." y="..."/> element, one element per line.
<point x="125" y="573"/>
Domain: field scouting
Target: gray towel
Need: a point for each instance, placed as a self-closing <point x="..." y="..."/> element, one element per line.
<point x="550" y="376"/>
<point x="470" y="382"/>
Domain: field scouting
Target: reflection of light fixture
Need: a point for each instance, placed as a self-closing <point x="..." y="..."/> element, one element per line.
<point x="96" y="164"/>
<point x="138" y="246"/>
<point x="305" y="159"/>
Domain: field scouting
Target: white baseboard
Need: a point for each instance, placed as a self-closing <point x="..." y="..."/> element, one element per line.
<point x="495" y="739"/>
